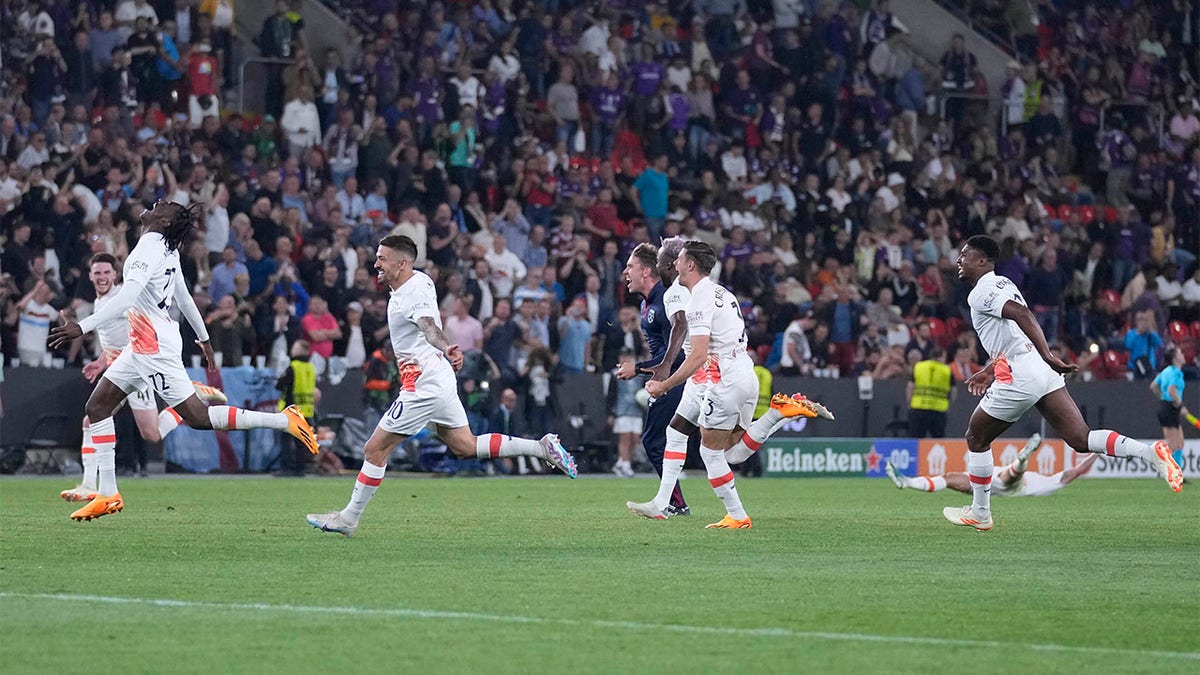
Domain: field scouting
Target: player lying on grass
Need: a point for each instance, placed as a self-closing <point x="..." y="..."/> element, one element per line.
<point x="1023" y="374"/>
<point x="155" y="351"/>
<point x="1007" y="481"/>
<point x="428" y="389"/>
<point x="113" y="336"/>
<point x="747" y="439"/>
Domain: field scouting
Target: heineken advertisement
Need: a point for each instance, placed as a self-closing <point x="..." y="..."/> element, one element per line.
<point x="792" y="457"/>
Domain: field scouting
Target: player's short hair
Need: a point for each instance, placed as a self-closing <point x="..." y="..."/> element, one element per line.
<point x="402" y="244"/>
<point x="670" y="249"/>
<point x="647" y="254"/>
<point x="702" y="254"/>
<point x="985" y="245"/>
<point x="103" y="258"/>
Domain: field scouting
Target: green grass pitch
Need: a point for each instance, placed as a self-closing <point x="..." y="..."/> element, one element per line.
<point x="550" y="575"/>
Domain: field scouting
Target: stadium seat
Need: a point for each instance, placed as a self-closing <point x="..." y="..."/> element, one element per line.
<point x="1065" y="211"/>
<point x="1114" y="364"/>
<point x="1087" y="215"/>
<point x="1179" y="332"/>
<point x="937" y="330"/>
<point x="954" y="327"/>
<point x="1196" y="329"/>
<point x="1110" y="214"/>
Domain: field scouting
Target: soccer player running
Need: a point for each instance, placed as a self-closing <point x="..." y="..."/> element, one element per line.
<point x="684" y="423"/>
<point x="155" y="353"/>
<point x="1168" y="387"/>
<point x="1022" y="374"/>
<point x="724" y="388"/>
<point x="1007" y="481"/>
<point x="113" y="336"/>
<point x="663" y="335"/>
<point x="428" y="389"/>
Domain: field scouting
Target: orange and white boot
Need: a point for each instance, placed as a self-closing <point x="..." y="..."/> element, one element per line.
<point x="1164" y="463"/>
<point x="799" y="405"/>
<point x="78" y="494"/>
<point x="300" y="429"/>
<point x="729" y="523"/>
<point x="100" y="506"/>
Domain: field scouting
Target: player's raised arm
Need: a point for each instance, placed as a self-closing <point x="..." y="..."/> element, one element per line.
<point x="1027" y="322"/>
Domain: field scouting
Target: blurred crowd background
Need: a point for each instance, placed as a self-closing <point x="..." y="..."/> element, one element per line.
<point x="528" y="146"/>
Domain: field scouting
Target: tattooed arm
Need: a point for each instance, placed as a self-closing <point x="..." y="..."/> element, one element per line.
<point x="437" y="338"/>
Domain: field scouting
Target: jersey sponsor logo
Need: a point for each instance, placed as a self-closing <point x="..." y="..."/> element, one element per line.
<point x="138" y="266"/>
<point x="990" y="300"/>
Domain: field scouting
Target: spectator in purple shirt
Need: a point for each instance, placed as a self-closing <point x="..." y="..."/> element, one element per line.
<point x="646" y="75"/>
<point x="743" y="107"/>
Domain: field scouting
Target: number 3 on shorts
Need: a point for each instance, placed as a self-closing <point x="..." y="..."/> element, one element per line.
<point x="711" y="408"/>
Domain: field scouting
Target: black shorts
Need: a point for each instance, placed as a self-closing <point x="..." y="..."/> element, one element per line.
<point x="1168" y="414"/>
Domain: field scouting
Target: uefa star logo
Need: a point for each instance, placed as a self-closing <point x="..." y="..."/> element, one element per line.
<point x="873" y="460"/>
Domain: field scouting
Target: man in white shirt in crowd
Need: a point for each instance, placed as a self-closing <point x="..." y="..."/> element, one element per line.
<point x="507" y="268"/>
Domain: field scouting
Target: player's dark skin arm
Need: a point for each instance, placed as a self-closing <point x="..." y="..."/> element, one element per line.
<point x="435" y="337"/>
<point x="678" y="331"/>
<point x="1025" y="320"/>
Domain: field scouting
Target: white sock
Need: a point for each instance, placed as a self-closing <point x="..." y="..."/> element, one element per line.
<point x="491" y="446"/>
<point x="755" y="436"/>
<point x="228" y="418"/>
<point x="104" y="439"/>
<point x="369" y="478"/>
<point x="720" y="476"/>
<point x="926" y="483"/>
<point x="674" y="456"/>
<point x="168" y="420"/>
<point x="979" y="470"/>
<point x="87" y="453"/>
<point x="1106" y="442"/>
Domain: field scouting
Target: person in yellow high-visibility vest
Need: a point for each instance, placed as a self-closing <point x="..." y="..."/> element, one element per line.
<point x="297" y="385"/>
<point x="929" y="396"/>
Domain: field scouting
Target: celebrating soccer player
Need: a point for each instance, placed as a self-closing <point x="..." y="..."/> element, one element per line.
<point x="428" y="389"/>
<point x="114" y="337"/>
<point x="1022" y="374"/>
<point x="155" y="352"/>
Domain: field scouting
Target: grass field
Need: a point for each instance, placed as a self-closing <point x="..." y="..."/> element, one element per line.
<point x="550" y="575"/>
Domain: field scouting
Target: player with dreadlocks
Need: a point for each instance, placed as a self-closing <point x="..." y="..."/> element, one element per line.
<point x="155" y="351"/>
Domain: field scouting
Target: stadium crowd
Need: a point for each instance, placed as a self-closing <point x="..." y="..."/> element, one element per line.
<point x="527" y="147"/>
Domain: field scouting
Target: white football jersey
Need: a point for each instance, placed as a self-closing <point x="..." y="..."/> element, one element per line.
<point x="114" y="334"/>
<point x="715" y="312"/>
<point x="415" y="299"/>
<point x="151" y="328"/>
<point x="675" y="299"/>
<point x="998" y="335"/>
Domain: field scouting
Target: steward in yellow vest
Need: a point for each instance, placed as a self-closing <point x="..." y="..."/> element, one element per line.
<point x="929" y="396"/>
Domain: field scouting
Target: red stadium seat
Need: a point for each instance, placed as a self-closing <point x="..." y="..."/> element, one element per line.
<point x="1065" y="211"/>
<point x="1114" y="364"/>
<point x="1179" y="332"/>
<point x="955" y="326"/>
<point x="1196" y="329"/>
<point x="1110" y="214"/>
<point x="937" y="330"/>
<point x="1087" y="215"/>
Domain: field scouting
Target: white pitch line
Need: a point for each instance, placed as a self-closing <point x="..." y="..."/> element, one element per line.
<point x="599" y="623"/>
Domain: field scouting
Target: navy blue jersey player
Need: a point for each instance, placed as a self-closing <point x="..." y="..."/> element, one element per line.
<point x="642" y="277"/>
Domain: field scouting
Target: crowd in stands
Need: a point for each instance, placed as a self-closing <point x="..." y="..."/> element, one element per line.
<point x="527" y="146"/>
